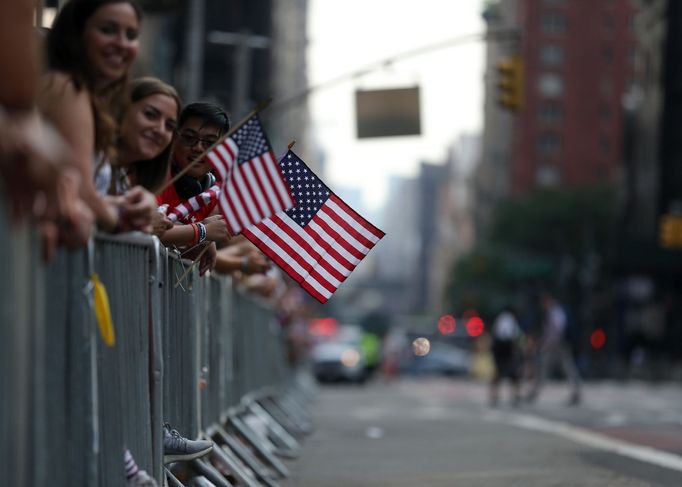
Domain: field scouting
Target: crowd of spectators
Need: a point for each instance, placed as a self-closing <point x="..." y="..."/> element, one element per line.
<point x="83" y="148"/>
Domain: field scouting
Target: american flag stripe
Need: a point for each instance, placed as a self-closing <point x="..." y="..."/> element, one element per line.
<point x="306" y="262"/>
<point x="300" y="247"/>
<point x="318" y="232"/>
<point x="259" y="166"/>
<point x="340" y="266"/>
<point x="223" y="157"/>
<point x="351" y="217"/>
<point x="346" y="224"/>
<point x="246" y="194"/>
<point x="253" y="196"/>
<point x="322" y="298"/>
<point x="263" y="206"/>
<point x="341" y="227"/>
<point x="253" y="186"/>
<point x="236" y="199"/>
<point x="340" y="243"/>
<point x="276" y="182"/>
<point x="228" y="210"/>
<point x="286" y="261"/>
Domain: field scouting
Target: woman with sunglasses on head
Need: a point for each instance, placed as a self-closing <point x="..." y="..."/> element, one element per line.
<point x="90" y="49"/>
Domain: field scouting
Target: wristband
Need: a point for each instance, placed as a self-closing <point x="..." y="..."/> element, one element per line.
<point x="202" y="232"/>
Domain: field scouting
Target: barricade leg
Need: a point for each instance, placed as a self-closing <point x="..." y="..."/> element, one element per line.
<point x="261" y="445"/>
<point x="287" y="446"/>
<point x="241" y="466"/>
<point x="261" y="471"/>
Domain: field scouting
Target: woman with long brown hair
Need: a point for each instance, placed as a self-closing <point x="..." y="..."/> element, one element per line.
<point x="90" y="49"/>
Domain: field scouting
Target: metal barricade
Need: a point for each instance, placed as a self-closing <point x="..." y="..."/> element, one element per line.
<point x="65" y="414"/>
<point x="187" y="354"/>
<point x="217" y="395"/>
<point x="127" y="266"/>
<point x="181" y="343"/>
<point x="20" y="310"/>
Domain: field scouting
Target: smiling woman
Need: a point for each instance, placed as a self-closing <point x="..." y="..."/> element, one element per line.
<point x="146" y="132"/>
<point x="90" y="49"/>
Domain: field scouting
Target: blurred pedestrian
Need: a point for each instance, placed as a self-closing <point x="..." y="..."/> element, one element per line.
<point x="506" y="347"/>
<point x="554" y="349"/>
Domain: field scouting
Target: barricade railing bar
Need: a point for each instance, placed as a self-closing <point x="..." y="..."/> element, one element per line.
<point x="204" y="356"/>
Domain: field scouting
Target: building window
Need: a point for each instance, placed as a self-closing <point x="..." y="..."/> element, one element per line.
<point x="551" y="55"/>
<point x="547" y="175"/>
<point x="550" y="114"/>
<point x="550" y="85"/>
<point x="604" y="145"/>
<point x="553" y="23"/>
<point x="605" y="112"/>
<point x="548" y="144"/>
<point x="606" y="87"/>
<point x="607" y="55"/>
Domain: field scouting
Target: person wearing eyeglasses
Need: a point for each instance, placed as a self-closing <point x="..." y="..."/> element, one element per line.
<point x="200" y="125"/>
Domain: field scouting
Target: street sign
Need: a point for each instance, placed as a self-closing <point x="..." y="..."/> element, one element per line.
<point x="387" y="112"/>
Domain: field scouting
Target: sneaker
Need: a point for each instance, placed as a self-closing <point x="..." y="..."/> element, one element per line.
<point x="176" y="448"/>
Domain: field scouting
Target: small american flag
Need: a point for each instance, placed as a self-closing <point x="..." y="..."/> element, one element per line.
<point x="318" y="242"/>
<point x="252" y="186"/>
<point x="184" y="211"/>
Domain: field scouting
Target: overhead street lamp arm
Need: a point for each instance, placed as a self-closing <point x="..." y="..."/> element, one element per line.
<point x="278" y="108"/>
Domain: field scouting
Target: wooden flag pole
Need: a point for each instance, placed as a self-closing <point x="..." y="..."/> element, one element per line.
<point x="261" y="106"/>
<point x="291" y="144"/>
<point x="189" y="269"/>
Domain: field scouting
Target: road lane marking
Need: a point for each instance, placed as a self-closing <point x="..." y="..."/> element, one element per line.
<point x="590" y="438"/>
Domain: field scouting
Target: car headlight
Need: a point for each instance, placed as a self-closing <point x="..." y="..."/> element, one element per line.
<point x="350" y="357"/>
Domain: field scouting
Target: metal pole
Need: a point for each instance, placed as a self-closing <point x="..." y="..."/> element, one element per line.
<point x="242" y="74"/>
<point x="194" y="50"/>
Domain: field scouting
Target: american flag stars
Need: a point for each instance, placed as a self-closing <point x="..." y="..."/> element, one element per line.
<point x="310" y="193"/>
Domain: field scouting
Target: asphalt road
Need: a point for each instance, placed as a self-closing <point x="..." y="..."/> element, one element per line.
<point x="438" y="432"/>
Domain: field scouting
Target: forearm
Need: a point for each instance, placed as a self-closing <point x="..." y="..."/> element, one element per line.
<point x="178" y="235"/>
<point x="104" y="209"/>
<point x="225" y="264"/>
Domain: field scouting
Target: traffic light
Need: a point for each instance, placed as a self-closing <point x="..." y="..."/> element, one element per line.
<point x="670" y="231"/>
<point x="510" y="83"/>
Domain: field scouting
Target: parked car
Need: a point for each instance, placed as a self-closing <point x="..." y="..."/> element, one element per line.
<point x="340" y="357"/>
<point x="441" y="359"/>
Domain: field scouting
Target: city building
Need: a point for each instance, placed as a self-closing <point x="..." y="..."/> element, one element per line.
<point x="492" y="177"/>
<point x="650" y="271"/>
<point x="577" y="63"/>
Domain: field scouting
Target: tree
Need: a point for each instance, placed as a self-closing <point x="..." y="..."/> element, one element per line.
<point x="548" y="238"/>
